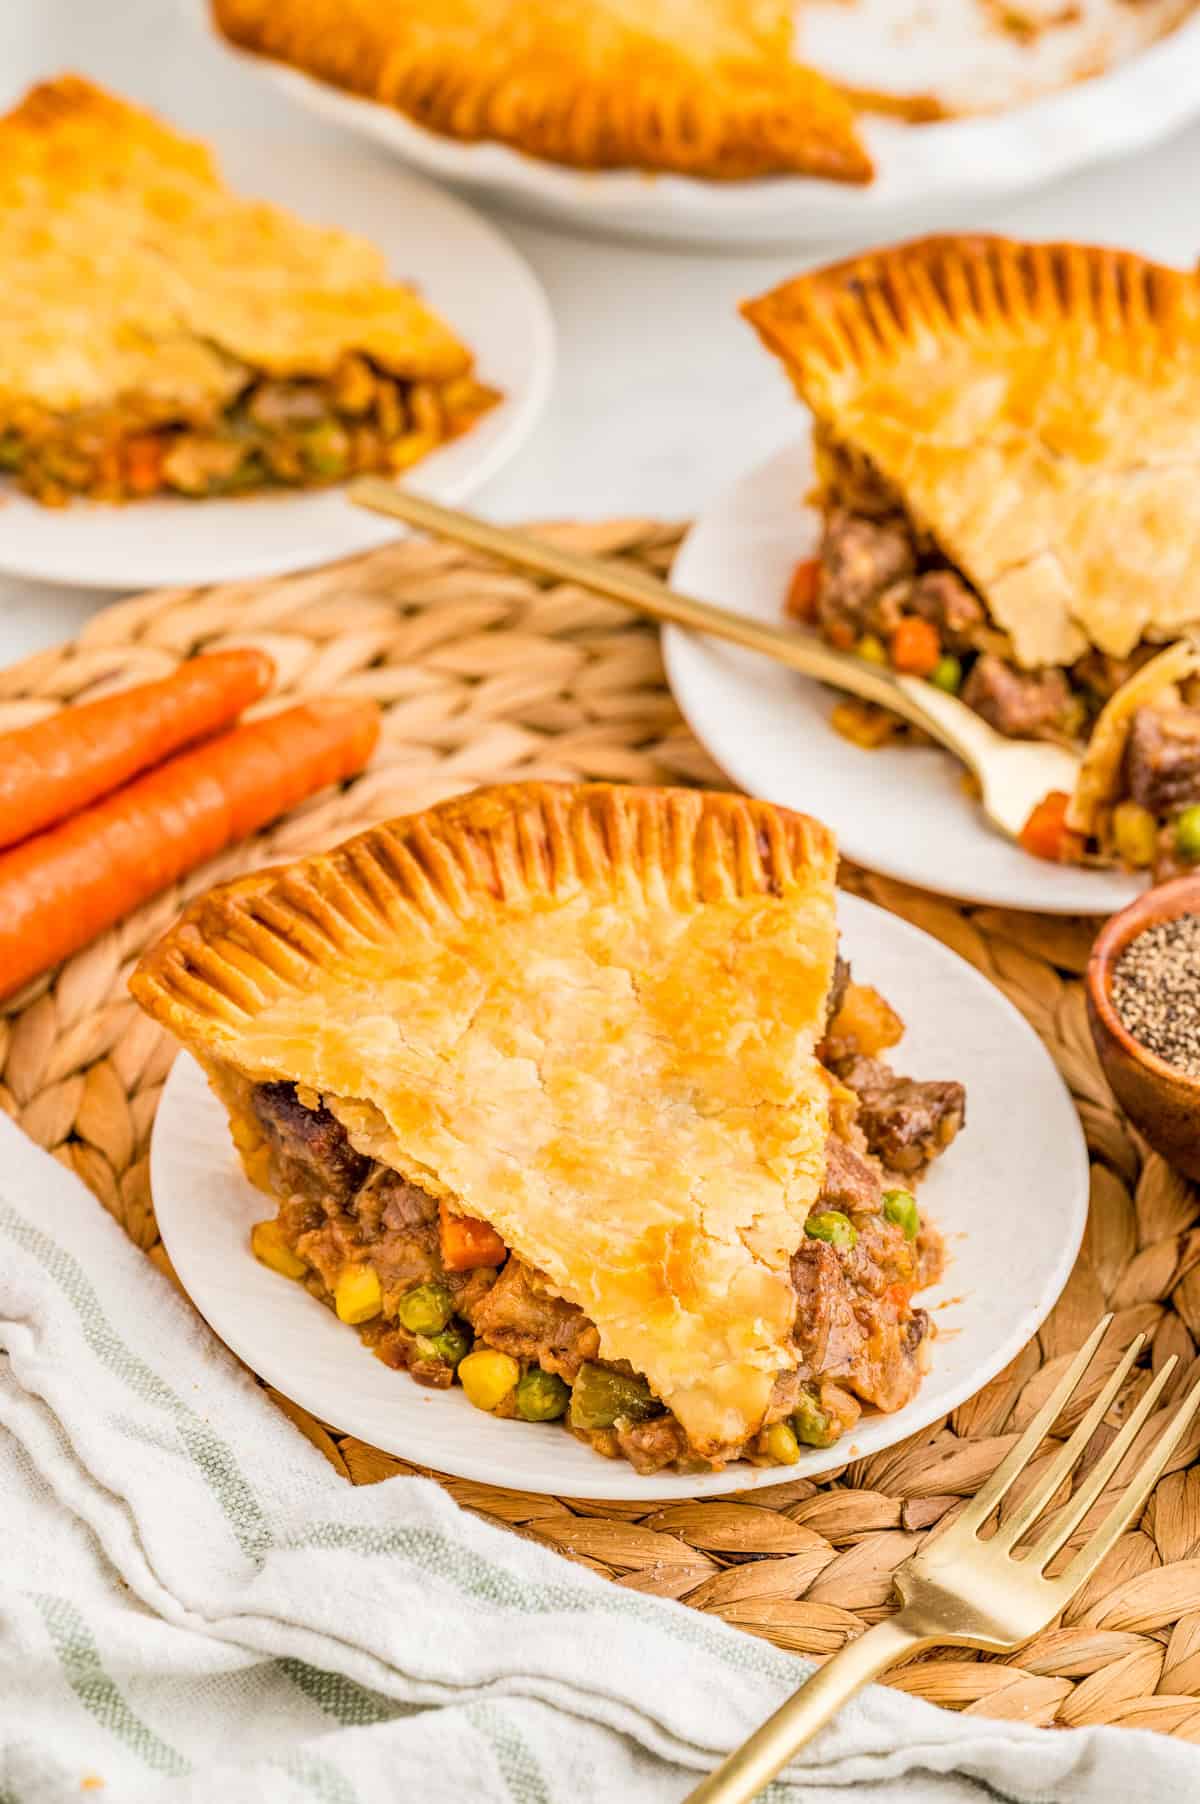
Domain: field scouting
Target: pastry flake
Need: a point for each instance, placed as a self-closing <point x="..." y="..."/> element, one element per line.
<point x="701" y="87"/>
<point x="158" y="332"/>
<point x="585" y="1016"/>
<point x="1034" y="410"/>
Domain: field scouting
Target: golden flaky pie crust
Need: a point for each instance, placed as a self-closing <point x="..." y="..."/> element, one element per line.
<point x="1100" y="773"/>
<point x="585" y="1014"/>
<point x="1037" y="407"/>
<point x="702" y="87"/>
<point x="131" y="271"/>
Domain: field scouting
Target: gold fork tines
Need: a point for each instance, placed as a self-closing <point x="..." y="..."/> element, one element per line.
<point x="963" y="1590"/>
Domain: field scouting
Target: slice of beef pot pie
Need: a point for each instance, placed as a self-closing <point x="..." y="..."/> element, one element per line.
<point x="1007" y="438"/>
<point x="704" y="88"/>
<point x="564" y="1093"/>
<point x="161" y="334"/>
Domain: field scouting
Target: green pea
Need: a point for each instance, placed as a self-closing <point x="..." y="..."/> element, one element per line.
<point x="900" y="1206"/>
<point x="601" y="1397"/>
<point x="1187" y="834"/>
<point x="451" y="1345"/>
<point x="831" y="1225"/>
<point x="542" y="1396"/>
<point x="947" y="674"/>
<point x="426" y="1309"/>
<point x="813" y="1425"/>
<point x="326" y="449"/>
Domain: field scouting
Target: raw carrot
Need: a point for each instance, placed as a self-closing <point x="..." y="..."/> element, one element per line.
<point x="915" y="646"/>
<point x="801" y="603"/>
<point x="62" y="888"/>
<point x="467" y="1242"/>
<point x="57" y="766"/>
<point x="1045" y="833"/>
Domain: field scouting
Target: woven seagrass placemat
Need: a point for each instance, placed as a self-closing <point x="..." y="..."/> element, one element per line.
<point x="487" y="676"/>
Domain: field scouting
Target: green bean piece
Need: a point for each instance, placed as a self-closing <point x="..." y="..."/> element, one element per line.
<point x="900" y="1206"/>
<point x="600" y="1397"/>
<point x="541" y="1396"/>
<point x="813" y="1425"/>
<point x="1187" y="834"/>
<point x="831" y="1225"/>
<point x="425" y="1309"/>
<point x="451" y="1345"/>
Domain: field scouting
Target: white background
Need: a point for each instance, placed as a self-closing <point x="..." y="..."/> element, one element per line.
<point x="662" y="395"/>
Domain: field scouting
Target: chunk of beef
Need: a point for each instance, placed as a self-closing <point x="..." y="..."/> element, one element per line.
<point x="311" y="1151"/>
<point x="943" y="598"/>
<point x="906" y="1123"/>
<point x="859" y="559"/>
<point x="401" y="1222"/>
<point x="827" y="1333"/>
<point x="1162" y="759"/>
<point x="1024" y="704"/>
<point x="522" y="1316"/>
<point x="851" y="1182"/>
<point x="649" y="1446"/>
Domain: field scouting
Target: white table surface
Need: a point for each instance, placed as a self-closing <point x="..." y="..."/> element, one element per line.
<point x="662" y="395"/>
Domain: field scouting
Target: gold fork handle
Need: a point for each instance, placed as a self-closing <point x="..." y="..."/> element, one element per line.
<point x="635" y="589"/>
<point x="753" y="1765"/>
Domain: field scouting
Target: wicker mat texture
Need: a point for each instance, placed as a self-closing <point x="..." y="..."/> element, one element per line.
<point x="487" y="675"/>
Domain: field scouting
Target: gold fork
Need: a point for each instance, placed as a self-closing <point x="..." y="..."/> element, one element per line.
<point x="962" y="1591"/>
<point x="1013" y="774"/>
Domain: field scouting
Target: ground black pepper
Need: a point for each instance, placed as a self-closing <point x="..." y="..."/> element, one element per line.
<point x="1156" y="991"/>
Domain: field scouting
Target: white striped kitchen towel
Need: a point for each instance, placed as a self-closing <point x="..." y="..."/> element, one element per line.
<point x="195" y="1606"/>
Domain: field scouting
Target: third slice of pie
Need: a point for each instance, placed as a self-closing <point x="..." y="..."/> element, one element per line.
<point x="160" y="333"/>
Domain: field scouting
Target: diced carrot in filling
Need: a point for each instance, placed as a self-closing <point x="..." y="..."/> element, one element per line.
<point x="915" y="646"/>
<point x="467" y="1243"/>
<point x="143" y="460"/>
<point x="801" y="603"/>
<point x="1046" y="833"/>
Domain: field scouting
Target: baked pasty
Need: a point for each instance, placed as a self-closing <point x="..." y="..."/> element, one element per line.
<point x="534" y="1079"/>
<point x="702" y="87"/>
<point x="158" y="332"/>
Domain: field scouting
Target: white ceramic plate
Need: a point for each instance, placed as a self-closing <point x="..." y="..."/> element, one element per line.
<point x="1012" y="1207"/>
<point x="900" y="811"/>
<point x="926" y="175"/>
<point x="469" y="273"/>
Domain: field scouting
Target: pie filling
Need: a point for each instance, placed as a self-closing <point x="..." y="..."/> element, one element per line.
<point x="885" y="590"/>
<point x="374" y="1247"/>
<point x="295" y="433"/>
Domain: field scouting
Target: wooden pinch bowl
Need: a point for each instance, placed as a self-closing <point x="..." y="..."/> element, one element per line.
<point x="1162" y="1102"/>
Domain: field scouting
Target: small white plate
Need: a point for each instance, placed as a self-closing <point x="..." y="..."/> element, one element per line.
<point x="901" y="811"/>
<point x="469" y="274"/>
<point x="926" y="175"/>
<point x="1012" y="1208"/>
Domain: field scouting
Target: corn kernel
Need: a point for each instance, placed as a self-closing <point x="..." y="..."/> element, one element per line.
<point x="488" y="1377"/>
<point x="872" y="649"/>
<point x="1135" y="834"/>
<point x="357" y="1295"/>
<point x="781" y="1444"/>
<point x="863" y="724"/>
<point x="269" y="1247"/>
